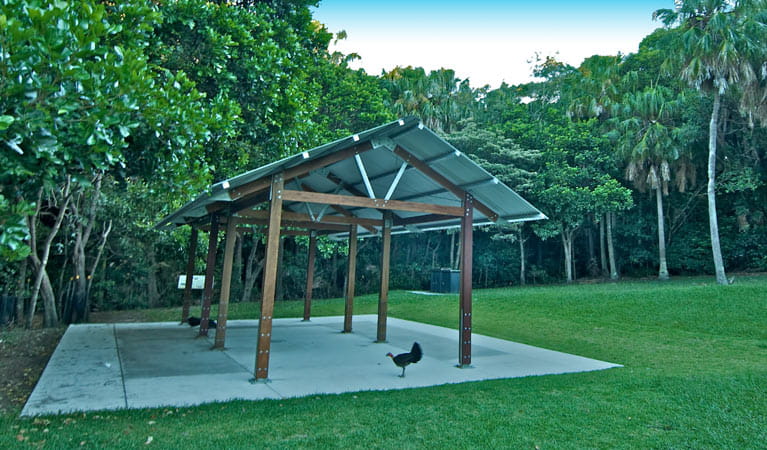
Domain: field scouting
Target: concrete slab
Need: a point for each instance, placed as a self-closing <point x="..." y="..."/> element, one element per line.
<point x="143" y="365"/>
<point x="84" y="371"/>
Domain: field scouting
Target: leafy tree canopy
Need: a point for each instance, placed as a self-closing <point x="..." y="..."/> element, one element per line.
<point x="76" y="91"/>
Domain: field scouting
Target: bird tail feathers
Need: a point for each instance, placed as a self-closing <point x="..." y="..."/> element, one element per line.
<point x="416" y="352"/>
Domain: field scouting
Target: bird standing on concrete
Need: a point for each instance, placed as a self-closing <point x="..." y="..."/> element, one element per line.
<point x="403" y="359"/>
<point x="195" y="321"/>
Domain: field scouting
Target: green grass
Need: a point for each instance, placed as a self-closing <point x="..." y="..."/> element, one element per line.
<point x="695" y="376"/>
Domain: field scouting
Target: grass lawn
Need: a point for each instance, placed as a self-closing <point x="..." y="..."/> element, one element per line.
<point x="695" y="376"/>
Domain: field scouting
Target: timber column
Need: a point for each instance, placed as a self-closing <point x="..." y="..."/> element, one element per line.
<point x="210" y="269"/>
<point x="464" y="348"/>
<point x="383" y="294"/>
<point x="270" y="277"/>
<point x="189" y="276"/>
<point x="351" y="276"/>
<point x="310" y="275"/>
<point x="226" y="283"/>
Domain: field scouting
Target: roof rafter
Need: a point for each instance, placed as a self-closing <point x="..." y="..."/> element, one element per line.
<point x="341" y="210"/>
<point x="294" y="216"/>
<point x="442" y="181"/>
<point x="307" y="225"/>
<point x="300" y="170"/>
<point x="347" y="200"/>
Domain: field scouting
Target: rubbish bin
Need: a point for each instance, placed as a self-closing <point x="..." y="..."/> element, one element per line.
<point x="445" y="280"/>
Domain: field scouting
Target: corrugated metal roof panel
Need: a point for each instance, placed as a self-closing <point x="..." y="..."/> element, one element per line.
<point x="382" y="167"/>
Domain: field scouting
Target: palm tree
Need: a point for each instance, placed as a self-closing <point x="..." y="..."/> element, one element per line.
<point x="648" y="140"/>
<point x="440" y="99"/>
<point x="720" y="46"/>
<point x="408" y="90"/>
<point x="594" y="87"/>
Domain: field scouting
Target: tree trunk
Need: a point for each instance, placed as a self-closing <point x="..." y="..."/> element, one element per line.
<point x="663" y="269"/>
<point x="592" y="263"/>
<point x="65" y="279"/>
<point x="252" y="271"/>
<point x="436" y="249"/>
<point x="602" y="250"/>
<point x="567" y="246"/>
<point x="522" y="256"/>
<point x="83" y="228"/>
<point x="721" y="277"/>
<point x="573" y="268"/>
<point x="50" y="315"/>
<point x="237" y="280"/>
<point x="334" y="275"/>
<point x="103" y="275"/>
<point x="457" y="257"/>
<point x="21" y="290"/>
<point x="610" y="216"/>
<point x="452" y="247"/>
<point x="41" y="263"/>
<point x="99" y="252"/>
<point x="76" y="311"/>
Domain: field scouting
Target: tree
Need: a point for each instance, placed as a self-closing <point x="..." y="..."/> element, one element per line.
<point x="565" y="120"/>
<point x="513" y="165"/>
<point x="592" y="91"/>
<point x="648" y="139"/>
<point x="440" y="99"/>
<point x="408" y="91"/>
<point x="509" y="162"/>
<point x="14" y="231"/>
<point x="40" y="258"/>
<point x="720" y="47"/>
<point x="252" y="60"/>
<point x="350" y="100"/>
<point x="74" y="98"/>
<point x="567" y="194"/>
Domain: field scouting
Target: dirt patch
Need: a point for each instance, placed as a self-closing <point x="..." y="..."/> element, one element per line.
<point x="24" y="354"/>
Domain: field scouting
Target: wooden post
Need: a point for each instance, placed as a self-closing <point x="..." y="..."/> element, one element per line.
<point x="310" y="275"/>
<point x="351" y="275"/>
<point x="464" y="348"/>
<point x="270" y="277"/>
<point x="226" y="283"/>
<point x="210" y="269"/>
<point x="383" y="295"/>
<point x="189" y="276"/>
<point x="278" y="281"/>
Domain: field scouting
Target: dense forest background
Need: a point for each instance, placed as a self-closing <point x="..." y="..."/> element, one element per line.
<point x="114" y="114"/>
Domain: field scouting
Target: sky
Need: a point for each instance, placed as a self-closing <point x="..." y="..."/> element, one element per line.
<point x="487" y="41"/>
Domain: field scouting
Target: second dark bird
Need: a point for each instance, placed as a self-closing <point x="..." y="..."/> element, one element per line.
<point x="195" y="321"/>
<point x="403" y="359"/>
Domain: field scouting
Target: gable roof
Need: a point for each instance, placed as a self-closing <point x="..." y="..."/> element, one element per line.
<point x="401" y="166"/>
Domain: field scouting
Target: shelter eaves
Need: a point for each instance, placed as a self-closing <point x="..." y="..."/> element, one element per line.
<point x="401" y="166"/>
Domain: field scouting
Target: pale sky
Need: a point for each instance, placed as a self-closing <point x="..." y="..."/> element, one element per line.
<point x="487" y="41"/>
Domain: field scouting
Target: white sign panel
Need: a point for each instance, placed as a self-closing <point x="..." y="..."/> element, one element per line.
<point x="198" y="281"/>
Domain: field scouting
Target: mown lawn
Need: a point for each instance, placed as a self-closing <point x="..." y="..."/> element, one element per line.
<point x="695" y="376"/>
